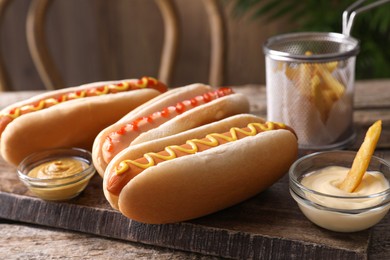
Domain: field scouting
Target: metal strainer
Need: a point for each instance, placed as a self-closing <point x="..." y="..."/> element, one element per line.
<point x="310" y="83"/>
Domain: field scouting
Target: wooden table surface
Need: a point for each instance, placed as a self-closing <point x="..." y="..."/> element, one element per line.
<point x="28" y="240"/>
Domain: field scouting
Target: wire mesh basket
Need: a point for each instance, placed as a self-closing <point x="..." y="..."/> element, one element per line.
<point x="310" y="83"/>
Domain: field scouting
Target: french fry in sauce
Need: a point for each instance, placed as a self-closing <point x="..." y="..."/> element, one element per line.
<point x="362" y="159"/>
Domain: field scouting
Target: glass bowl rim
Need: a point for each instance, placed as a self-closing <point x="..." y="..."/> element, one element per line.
<point x="310" y="203"/>
<point x="296" y="183"/>
<point x="79" y="153"/>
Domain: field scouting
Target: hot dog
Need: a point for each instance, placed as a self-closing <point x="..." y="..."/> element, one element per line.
<point x="200" y="171"/>
<point x="172" y="112"/>
<point x="70" y="116"/>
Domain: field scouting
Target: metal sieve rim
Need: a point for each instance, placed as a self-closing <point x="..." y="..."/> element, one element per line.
<point x="270" y="52"/>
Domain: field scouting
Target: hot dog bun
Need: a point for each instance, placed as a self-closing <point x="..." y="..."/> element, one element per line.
<point x="74" y="123"/>
<point x="222" y="103"/>
<point x="208" y="113"/>
<point x="202" y="183"/>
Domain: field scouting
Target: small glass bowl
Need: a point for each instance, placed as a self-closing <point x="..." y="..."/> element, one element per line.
<point x="332" y="218"/>
<point x="61" y="188"/>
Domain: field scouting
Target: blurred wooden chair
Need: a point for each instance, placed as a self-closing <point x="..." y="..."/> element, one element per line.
<point x="218" y="42"/>
<point x="5" y="83"/>
<point x="51" y="77"/>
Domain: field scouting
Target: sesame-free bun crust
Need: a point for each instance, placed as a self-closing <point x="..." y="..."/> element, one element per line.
<point x="196" y="185"/>
<point x="210" y="112"/>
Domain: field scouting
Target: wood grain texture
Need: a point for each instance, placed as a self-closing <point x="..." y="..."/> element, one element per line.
<point x="24" y="241"/>
<point x="252" y="229"/>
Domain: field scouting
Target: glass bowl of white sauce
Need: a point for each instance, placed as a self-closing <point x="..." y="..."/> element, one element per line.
<point x="314" y="184"/>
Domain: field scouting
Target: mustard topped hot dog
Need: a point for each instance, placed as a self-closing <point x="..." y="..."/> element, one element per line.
<point x="14" y="111"/>
<point x="199" y="171"/>
<point x="128" y="169"/>
<point x="70" y="116"/>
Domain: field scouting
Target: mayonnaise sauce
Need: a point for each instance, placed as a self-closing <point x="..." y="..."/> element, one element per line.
<point x="328" y="180"/>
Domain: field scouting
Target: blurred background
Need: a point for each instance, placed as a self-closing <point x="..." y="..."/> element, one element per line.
<point x="93" y="40"/>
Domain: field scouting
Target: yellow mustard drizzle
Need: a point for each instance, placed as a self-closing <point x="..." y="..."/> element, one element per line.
<point x="123" y="86"/>
<point x="145" y="81"/>
<point x="78" y="94"/>
<point x="105" y="91"/>
<point x="211" y="141"/>
<point x="13" y="115"/>
<point x="51" y="101"/>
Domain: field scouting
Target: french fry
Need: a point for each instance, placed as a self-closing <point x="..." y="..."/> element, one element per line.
<point x="291" y="73"/>
<point x="308" y="53"/>
<point x="362" y="159"/>
<point x="316" y="82"/>
<point x="279" y="66"/>
<point x="331" y="82"/>
<point x="331" y="66"/>
<point x="323" y="100"/>
<point x="305" y="74"/>
<point x="326" y="90"/>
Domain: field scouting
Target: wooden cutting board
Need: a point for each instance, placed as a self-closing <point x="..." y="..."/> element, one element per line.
<point x="268" y="224"/>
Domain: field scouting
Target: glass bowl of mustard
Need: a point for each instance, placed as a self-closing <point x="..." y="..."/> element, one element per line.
<point x="58" y="174"/>
<point x="315" y="180"/>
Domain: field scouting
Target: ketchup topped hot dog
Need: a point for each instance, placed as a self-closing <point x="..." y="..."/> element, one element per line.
<point x="70" y="116"/>
<point x="173" y="112"/>
<point x="199" y="171"/>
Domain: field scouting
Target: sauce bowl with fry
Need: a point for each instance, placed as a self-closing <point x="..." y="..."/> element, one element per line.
<point x="315" y="185"/>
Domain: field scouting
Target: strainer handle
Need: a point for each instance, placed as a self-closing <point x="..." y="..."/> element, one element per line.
<point x="349" y="14"/>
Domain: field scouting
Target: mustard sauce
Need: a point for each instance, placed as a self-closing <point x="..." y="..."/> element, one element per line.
<point x="60" y="168"/>
<point x="63" y="179"/>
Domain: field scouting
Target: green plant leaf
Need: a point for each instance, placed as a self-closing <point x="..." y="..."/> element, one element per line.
<point x="371" y="28"/>
<point x="284" y="10"/>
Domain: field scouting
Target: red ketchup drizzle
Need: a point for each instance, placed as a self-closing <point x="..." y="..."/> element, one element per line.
<point x="109" y="147"/>
<point x="206" y="97"/>
<point x="165" y="112"/>
<point x="134" y="125"/>
<point x="13" y="111"/>
<point x="180" y="107"/>
<point x="121" y="131"/>
<point x="60" y="99"/>
<point x="194" y="102"/>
